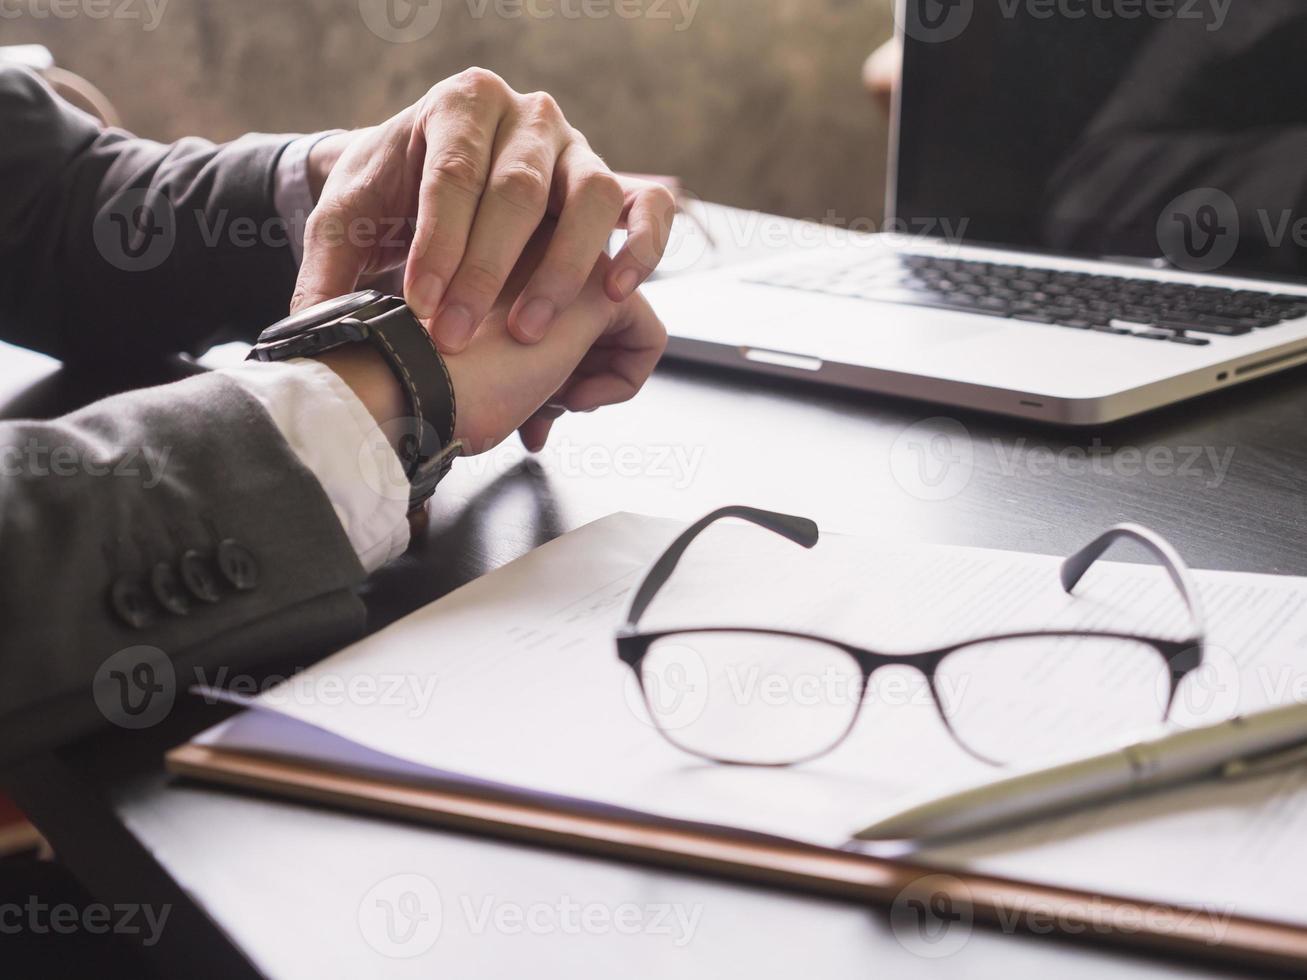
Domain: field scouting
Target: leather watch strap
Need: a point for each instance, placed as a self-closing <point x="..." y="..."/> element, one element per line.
<point x="426" y="444"/>
<point x="428" y="449"/>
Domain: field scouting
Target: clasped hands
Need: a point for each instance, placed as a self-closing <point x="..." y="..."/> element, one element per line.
<point x="504" y="214"/>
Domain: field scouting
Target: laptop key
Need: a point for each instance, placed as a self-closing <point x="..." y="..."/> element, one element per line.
<point x="1191" y="341"/>
<point x="957" y="303"/>
<point x="1200" y="325"/>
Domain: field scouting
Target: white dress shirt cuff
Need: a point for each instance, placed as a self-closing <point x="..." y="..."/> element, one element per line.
<point x="292" y="193"/>
<point x="339" y="441"/>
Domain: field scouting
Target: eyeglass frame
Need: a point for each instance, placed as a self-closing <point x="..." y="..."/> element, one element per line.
<point x="1182" y="657"/>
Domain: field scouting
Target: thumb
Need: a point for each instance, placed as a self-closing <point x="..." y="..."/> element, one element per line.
<point x="333" y="260"/>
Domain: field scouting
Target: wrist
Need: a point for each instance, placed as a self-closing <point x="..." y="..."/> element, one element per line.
<point x="373" y="382"/>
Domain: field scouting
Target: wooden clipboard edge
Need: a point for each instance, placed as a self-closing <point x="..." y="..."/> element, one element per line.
<point x="996" y="902"/>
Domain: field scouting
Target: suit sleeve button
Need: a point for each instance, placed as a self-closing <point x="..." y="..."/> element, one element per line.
<point x="237" y="565"/>
<point x="131" y="604"/>
<point x="167" y="588"/>
<point x="198" y="577"/>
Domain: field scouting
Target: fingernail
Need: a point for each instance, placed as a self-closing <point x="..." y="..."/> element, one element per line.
<point x="426" y="295"/>
<point x="627" y="282"/>
<point x="535" y="317"/>
<point x="454" y="327"/>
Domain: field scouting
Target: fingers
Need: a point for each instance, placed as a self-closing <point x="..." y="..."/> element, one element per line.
<point x="650" y="210"/>
<point x="513" y="207"/>
<point x="333" y="259"/>
<point x="515" y="199"/>
<point x="618" y="367"/>
<point x="458" y="124"/>
<point x="535" y="430"/>
<point x="592" y="201"/>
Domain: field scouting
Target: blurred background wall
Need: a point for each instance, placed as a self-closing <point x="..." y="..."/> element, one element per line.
<point x="757" y="103"/>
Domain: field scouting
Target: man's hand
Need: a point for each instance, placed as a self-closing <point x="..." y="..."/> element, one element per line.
<point x="602" y="354"/>
<point x="453" y="188"/>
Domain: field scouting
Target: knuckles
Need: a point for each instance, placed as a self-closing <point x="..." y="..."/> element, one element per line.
<point x="480" y="279"/>
<point x="543" y="107"/>
<point x="458" y="167"/>
<point x="523" y="186"/>
<point x="603" y="187"/>
<point x="661" y="202"/>
<point x="475" y="83"/>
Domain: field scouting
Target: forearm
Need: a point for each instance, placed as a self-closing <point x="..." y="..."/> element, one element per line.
<point x="114" y="247"/>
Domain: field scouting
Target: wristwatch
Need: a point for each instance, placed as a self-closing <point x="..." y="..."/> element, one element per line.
<point x="427" y="447"/>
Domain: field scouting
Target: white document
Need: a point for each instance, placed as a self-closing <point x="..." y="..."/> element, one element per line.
<point x="514" y="680"/>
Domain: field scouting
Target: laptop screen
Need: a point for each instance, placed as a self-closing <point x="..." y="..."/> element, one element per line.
<point x="1157" y="129"/>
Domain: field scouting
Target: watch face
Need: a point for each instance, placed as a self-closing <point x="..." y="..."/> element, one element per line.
<point x="315" y="316"/>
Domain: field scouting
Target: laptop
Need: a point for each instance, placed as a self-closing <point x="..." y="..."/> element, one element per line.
<point x="1089" y="217"/>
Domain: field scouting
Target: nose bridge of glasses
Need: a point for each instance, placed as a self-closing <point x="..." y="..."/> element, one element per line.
<point x="872" y="661"/>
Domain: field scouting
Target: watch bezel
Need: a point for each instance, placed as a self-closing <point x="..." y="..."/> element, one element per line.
<point x="312" y="341"/>
<point x="321" y="315"/>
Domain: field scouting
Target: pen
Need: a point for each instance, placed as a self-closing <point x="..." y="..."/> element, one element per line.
<point x="1248" y="745"/>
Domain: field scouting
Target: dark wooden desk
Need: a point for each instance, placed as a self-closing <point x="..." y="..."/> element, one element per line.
<point x="279" y="885"/>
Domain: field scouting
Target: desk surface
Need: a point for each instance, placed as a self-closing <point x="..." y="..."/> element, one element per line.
<point x="1223" y="478"/>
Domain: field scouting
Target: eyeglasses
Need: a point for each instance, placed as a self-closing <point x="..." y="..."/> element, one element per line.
<point x="768" y="697"/>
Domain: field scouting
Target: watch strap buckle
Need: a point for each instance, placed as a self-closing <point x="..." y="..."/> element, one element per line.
<point x="427" y="475"/>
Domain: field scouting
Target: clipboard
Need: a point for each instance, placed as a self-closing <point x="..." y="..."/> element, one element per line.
<point x="961" y="896"/>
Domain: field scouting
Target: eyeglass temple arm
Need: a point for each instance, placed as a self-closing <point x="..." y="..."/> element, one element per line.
<point x="1075" y="567"/>
<point x="800" y="530"/>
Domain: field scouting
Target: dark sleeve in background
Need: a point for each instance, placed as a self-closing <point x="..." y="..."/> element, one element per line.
<point x="113" y="247"/>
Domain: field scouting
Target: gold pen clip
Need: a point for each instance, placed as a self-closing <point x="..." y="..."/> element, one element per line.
<point x="1260" y="765"/>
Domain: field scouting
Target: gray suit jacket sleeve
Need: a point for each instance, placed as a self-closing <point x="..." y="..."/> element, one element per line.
<point x="93" y="220"/>
<point x="109" y="519"/>
<point x="155" y="539"/>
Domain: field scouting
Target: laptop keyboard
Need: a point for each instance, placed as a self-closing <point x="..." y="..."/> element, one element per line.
<point x="1168" y="312"/>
